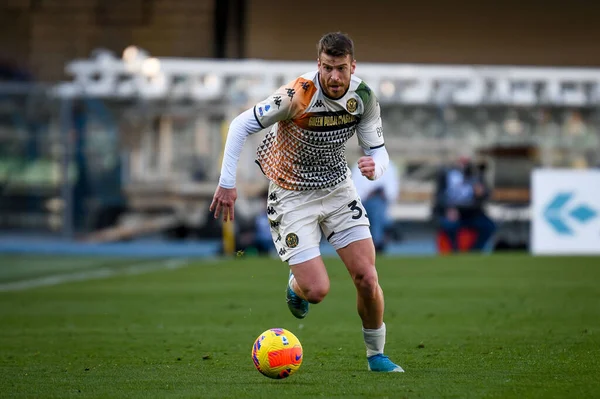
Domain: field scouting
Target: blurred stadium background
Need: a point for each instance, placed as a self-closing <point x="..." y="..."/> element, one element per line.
<point x="113" y="114"/>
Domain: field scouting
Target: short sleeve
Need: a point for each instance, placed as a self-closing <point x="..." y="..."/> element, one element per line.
<point x="370" y="129"/>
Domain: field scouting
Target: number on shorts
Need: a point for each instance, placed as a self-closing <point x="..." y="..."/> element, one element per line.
<point x="354" y="207"/>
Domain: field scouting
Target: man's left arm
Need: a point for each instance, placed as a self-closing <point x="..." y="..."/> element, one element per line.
<point x="375" y="162"/>
<point x="370" y="136"/>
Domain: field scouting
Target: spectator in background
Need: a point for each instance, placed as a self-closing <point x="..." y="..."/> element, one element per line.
<point x="377" y="196"/>
<point x="254" y="232"/>
<point x="263" y="241"/>
<point x="460" y="198"/>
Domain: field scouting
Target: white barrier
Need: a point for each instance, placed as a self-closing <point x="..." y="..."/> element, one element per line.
<point x="565" y="212"/>
<point x="137" y="75"/>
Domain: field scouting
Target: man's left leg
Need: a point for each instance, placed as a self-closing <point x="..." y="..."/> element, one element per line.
<point x="359" y="258"/>
<point x="347" y="230"/>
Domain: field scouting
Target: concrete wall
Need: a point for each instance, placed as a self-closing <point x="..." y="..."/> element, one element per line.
<point x="508" y="32"/>
<point x="44" y="34"/>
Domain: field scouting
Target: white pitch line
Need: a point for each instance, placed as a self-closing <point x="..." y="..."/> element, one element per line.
<point x="138" y="268"/>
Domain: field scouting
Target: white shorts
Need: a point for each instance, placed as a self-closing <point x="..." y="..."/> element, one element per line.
<point x="297" y="218"/>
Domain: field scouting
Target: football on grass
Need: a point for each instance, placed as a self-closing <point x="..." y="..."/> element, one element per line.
<point x="277" y="353"/>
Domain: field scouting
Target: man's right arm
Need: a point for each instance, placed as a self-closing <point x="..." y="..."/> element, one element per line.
<point x="226" y="193"/>
<point x="279" y="106"/>
<point x="239" y="129"/>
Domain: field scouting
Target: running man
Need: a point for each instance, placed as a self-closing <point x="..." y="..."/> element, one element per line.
<point x="310" y="189"/>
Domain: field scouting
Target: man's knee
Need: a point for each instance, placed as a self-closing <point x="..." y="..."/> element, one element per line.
<point x="310" y="274"/>
<point x="367" y="283"/>
<point x="315" y="293"/>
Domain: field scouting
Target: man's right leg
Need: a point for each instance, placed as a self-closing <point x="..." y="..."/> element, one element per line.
<point x="294" y="220"/>
<point x="308" y="283"/>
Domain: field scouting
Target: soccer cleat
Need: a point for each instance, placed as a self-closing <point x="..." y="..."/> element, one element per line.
<point x="382" y="363"/>
<point x="297" y="305"/>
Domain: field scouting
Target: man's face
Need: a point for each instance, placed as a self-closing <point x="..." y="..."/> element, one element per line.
<point x="335" y="74"/>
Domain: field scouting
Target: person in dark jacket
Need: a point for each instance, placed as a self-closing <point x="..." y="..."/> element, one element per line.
<point x="461" y="194"/>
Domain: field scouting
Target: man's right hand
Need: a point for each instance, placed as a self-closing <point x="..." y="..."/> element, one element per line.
<point x="224" y="201"/>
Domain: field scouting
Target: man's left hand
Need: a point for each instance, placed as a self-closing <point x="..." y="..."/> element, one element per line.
<point x="366" y="165"/>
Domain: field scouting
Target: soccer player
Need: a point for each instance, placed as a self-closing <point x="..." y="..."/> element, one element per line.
<point x="310" y="189"/>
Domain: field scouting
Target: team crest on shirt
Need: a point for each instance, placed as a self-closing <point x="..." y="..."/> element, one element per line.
<point x="351" y="105"/>
<point x="291" y="240"/>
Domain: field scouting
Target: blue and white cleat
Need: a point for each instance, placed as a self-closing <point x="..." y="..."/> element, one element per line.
<point x="382" y="363"/>
<point x="297" y="305"/>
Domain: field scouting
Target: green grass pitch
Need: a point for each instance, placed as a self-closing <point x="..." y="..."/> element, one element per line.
<point x="500" y="326"/>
